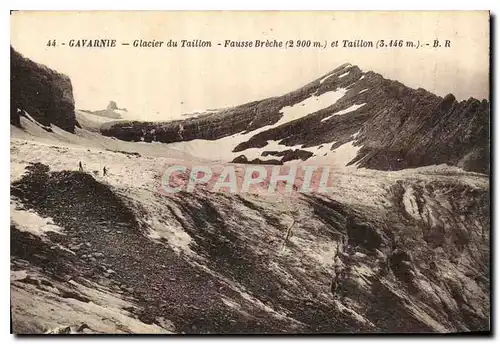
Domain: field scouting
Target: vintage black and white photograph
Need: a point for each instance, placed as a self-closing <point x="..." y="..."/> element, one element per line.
<point x="250" y="172"/>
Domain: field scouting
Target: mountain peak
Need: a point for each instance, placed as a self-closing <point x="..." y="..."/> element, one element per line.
<point x="374" y="122"/>
<point x="112" y="105"/>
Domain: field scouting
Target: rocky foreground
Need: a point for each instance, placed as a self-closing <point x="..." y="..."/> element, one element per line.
<point x="387" y="252"/>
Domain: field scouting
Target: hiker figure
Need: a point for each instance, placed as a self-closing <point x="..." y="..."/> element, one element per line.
<point x="104" y="171"/>
<point x="81" y="167"/>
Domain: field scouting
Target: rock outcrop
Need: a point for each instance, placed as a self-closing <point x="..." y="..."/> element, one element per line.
<point x="40" y="92"/>
<point x="112" y="105"/>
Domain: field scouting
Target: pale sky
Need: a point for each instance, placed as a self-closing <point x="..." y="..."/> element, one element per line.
<point x="161" y="83"/>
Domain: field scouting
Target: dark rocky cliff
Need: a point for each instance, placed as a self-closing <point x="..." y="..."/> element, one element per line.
<point x="397" y="127"/>
<point x="43" y="93"/>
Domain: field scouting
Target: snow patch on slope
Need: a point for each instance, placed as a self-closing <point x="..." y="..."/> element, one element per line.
<point x="177" y="239"/>
<point x="339" y="157"/>
<point x="326" y="77"/>
<point x="272" y="145"/>
<point x="309" y="105"/>
<point x="322" y="153"/>
<point x="92" y="117"/>
<point x="84" y="139"/>
<point x="343" y="112"/>
<point x="29" y="221"/>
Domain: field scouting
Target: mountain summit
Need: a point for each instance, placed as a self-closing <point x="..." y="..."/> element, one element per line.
<point x="345" y="117"/>
<point x="112" y="105"/>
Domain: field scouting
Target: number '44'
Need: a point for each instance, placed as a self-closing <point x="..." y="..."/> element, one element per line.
<point x="51" y="43"/>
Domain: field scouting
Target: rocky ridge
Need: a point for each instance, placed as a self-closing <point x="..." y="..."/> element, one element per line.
<point x="393" y="126"/>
